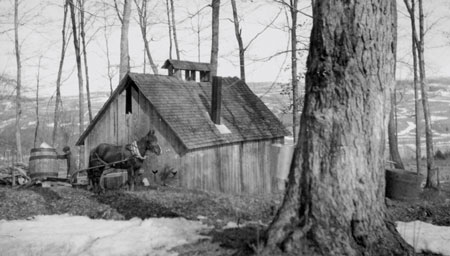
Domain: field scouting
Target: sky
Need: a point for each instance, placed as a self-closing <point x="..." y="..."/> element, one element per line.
<point x="40" y="37"/>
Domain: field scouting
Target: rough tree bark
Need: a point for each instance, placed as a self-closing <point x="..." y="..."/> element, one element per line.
<point x="142" y="13"/>
<point x="334" y="203"/>
<point x="18" y="82"/>
<point x="174" y="30"/>
<point x="215" y="36"/>
<point x="237" y="32"/>
<point x="58" y="101"/>
<point x="124" y="52"/>
<point x="86" y="69"/>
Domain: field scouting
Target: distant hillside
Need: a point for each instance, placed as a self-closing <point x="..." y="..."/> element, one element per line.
<point x="275" y="96"/>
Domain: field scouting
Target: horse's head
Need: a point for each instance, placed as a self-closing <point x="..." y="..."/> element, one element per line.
<point x="152" y="143"/>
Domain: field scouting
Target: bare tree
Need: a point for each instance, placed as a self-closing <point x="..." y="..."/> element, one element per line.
<point x="174" y="30"/>
<point x="294" y="72"/>
<point x="170" y="28"/>
<point x="215" y="36"/>
<point x="334" y="202"/>
<point x="124" y="52"/>
<point x="58" y="101"/>
<point x="106" y="25"/>
<point x="412" y="10"/>
<point x="76" y="44"/>
<point x="18" y="80"/>
<point x="36" y="130"/>
<point x="392" y="125"/>
<point x="83" y="43"/>
<point x="237" y="32"/>
<point x="143" y="20"/>
<point x="432" y="177"/>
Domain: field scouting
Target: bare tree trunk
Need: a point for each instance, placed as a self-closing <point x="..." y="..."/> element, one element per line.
<point x="170" y="29"/>
<point x="36" y="130"/>
<point x="295" y="123"/>
<point x="392" y="126"/>
<point x="412" y="10"/>
<point x="174" y="30"/>
<point x="237" y="32"/>
<point x="392" y="135"/>
<point x="432" y="178"/>
<point x="76" y="44"/>
<point x="142" y="12"/>
<point x="18" y="80"/>
<point x="124" y="52"/>
<point x="215" y="36"/>
<point x="86" y="69"/>
<point x="58" y="102"/>
<point x="334" y="203"/>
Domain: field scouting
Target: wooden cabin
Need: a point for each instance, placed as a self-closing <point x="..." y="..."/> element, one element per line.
<point x="217" y="136"/>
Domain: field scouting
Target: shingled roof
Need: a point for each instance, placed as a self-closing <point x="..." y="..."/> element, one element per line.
<point x="185" y="107"/>
<point x="187" y="65"/>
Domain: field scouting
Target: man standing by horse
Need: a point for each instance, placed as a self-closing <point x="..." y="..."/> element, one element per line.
<point x="130" y="157"/>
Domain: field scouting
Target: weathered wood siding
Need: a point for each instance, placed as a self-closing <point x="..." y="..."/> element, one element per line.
<point x="239" y="168"/>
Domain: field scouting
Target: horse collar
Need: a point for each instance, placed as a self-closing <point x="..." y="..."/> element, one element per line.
<point x="135" y="151"/>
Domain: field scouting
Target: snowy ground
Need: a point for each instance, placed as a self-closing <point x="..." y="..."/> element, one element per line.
<point x="425" y="237"/>
<point x="77" y="235"/>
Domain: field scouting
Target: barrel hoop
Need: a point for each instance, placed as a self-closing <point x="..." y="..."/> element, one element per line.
<point x="42" y="157"/>
<point x="33" y="150"/>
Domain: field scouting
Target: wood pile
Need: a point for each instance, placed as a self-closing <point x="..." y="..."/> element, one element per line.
<point x="16" y="175"/>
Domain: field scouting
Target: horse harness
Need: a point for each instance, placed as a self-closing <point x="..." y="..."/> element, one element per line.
<point x="134" y="150"/>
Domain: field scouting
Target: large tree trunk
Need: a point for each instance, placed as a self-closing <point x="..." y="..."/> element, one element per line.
<point x="124" y="52"/>
<point x="18" y="81"/>
<point x="237" y="32"/>
<point x="215" y="36"/>
<point x="295" y="123"/>
<point x="334" y="203"/>
<point x="58" y="101"/>
<point x="432" y="177"/>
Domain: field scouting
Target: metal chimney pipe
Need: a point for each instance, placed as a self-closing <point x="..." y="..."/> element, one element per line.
<point x="216" y="99"/>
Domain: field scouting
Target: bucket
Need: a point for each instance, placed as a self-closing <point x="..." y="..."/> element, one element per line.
<point x="43" y="163"/>
<point x="115" y="180"/>
<point x="402" y="185"/>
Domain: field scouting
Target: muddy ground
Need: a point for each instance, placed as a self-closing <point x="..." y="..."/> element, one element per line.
<point x="217" y="210"/>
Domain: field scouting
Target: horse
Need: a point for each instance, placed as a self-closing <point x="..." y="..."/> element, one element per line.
<point x="129" y="157"/>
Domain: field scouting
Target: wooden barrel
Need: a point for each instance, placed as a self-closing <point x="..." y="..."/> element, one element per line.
<point x="403" y="185"/>
<point x="43" y="163"/>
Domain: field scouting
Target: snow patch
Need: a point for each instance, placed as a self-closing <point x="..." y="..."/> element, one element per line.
<point x="79" y="235"/>
<point x="425" y="237"/>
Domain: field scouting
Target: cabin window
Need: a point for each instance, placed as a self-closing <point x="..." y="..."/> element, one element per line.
<point x="128" y="101"/>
